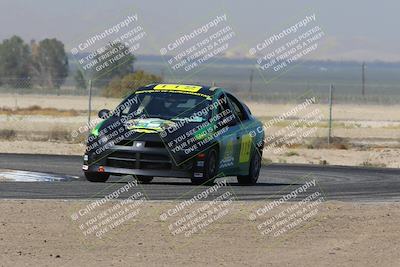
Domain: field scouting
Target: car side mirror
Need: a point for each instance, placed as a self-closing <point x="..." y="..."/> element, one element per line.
<point x="104" y="113"/>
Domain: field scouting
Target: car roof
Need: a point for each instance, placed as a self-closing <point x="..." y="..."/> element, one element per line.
<point x="206" y="90"/>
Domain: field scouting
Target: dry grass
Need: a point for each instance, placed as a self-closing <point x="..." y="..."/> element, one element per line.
<point x="37" y="110"/>
<point x="58" y="134"/>
<point x="8" y="134"/>
<point x="291" y="153"/>
<point x="370" y="164"/>
<point x="336" y="143"/>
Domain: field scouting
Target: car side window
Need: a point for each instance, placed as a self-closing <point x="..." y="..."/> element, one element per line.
<point x="238" y="108"/>
<point x="225" y="111"/>
<point x="223" y="104"/>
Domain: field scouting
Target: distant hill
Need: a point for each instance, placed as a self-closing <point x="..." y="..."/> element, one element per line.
<point x="382" y="78"/>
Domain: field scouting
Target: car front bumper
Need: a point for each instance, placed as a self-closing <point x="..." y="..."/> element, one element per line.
<point x="144" y="158"/>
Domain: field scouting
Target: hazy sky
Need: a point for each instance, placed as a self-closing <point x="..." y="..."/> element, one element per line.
<point x="354" y="30"/>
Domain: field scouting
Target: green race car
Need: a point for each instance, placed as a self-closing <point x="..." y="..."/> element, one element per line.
<point x="173" y="130"/>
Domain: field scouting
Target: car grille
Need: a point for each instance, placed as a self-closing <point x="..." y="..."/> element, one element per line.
<point x="136" y="160"/>
<point x="125" y="143"/>
<point x="155" y="144"/>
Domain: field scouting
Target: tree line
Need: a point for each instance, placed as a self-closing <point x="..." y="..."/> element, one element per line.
<point x="45" y="64"/>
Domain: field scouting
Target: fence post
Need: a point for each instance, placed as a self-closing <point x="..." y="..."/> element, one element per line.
<point x="330" y="113"/>
<point x="90" y="101"/>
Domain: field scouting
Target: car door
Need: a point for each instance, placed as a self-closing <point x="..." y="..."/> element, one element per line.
<point x="229" y="139"/>
<point x="244" y="139"/>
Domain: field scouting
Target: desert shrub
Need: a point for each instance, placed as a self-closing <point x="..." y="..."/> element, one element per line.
<point x="370" y="164"/>
<point x="120" y="87"/>
<point x="291" y="153"/>
<point x="323" y="162"/>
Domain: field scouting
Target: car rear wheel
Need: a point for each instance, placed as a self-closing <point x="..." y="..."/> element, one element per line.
<point x="254" y="170"/>
<point x="144" y="179"/>
<point x="210" y="169"/>
<point x="97" y="177"/>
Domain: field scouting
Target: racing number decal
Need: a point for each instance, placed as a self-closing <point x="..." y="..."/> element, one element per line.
<point x="178" y="87"/>
<point x="245" y="148"/>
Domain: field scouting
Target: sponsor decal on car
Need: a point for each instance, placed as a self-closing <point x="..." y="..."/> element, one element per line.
<point x="228" y="159"/>
<point x="149" y="125"/>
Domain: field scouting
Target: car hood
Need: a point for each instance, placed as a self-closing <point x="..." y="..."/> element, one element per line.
<point x="169" y="129"/>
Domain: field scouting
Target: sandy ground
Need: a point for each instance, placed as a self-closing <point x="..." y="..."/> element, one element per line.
<point x="54" y="101"/>
<point x="375" y="157"/>
<point x="41" y="233"/>
<point x="340" y="111"/>
<point x="44" y="147"/>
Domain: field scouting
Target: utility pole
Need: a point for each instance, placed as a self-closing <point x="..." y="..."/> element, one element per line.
<point x="162" y="73"/>
<point x="330" y="113"/>
<point x="363" y="79"/>
<point x="251" y="84"/>
<point x="90" y="101"/>
<point x="251" y="81"/>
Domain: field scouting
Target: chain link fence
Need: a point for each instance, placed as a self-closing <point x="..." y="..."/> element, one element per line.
<point x="258" y="90"/>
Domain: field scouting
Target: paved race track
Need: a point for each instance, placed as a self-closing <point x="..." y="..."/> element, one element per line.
<point x="276" y="180"/>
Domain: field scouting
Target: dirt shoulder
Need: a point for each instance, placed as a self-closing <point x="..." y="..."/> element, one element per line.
<point x="340" y="234"/>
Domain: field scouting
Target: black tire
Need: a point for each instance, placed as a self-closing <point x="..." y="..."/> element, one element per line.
<point x="210" y="169"/>
<point x="254" y="170"/>
<point x="97" y="177"/>
<point x="144" y="179"/>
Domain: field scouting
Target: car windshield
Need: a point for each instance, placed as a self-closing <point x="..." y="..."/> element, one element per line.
<point x="166" y="105"/>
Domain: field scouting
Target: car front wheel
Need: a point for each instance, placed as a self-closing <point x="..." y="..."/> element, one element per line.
<point x="97" y="177"/>
<point x="210" y="169"/>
